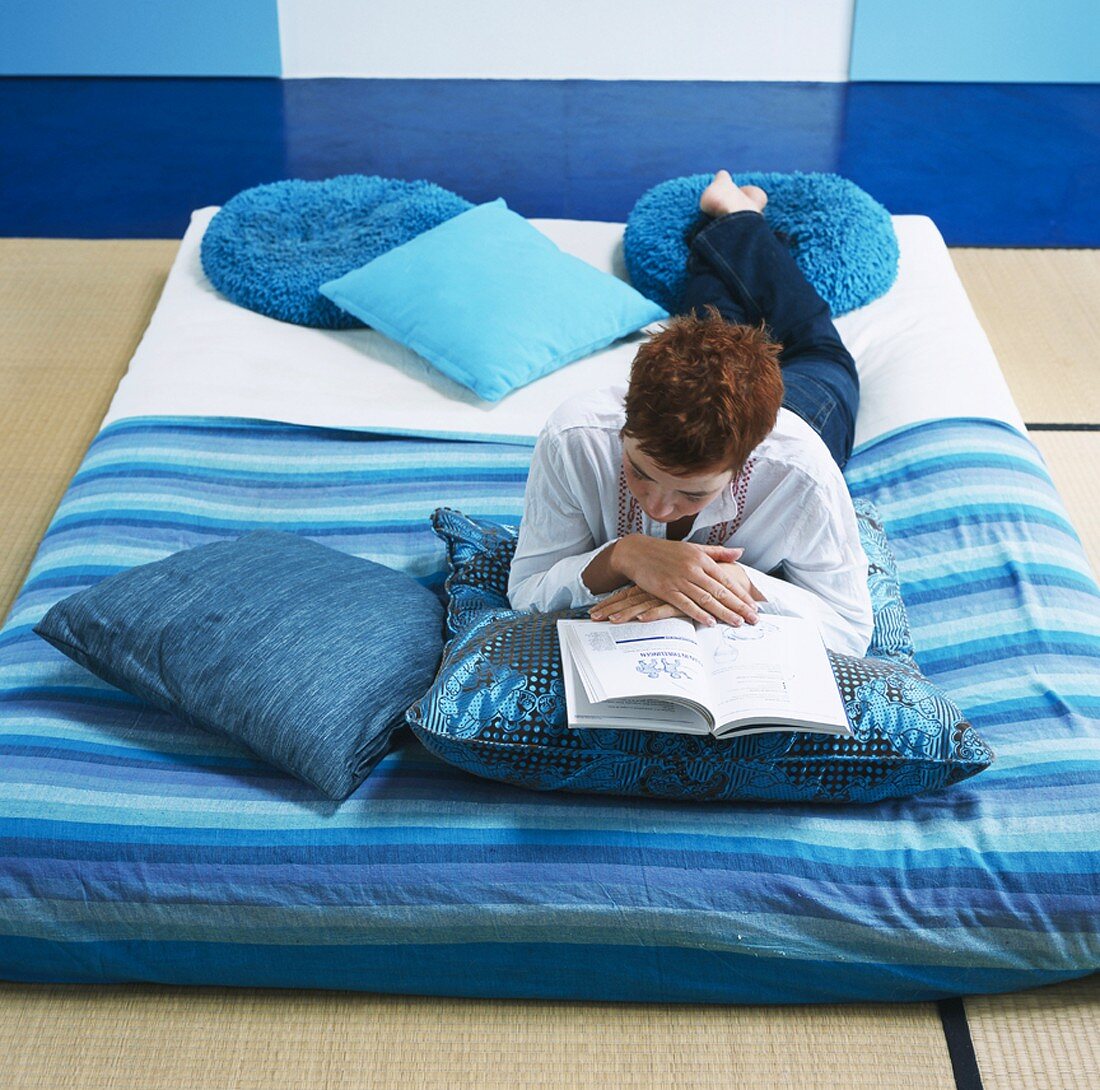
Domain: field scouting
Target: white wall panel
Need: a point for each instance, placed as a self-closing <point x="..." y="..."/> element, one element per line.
<point x="801" y="40"/>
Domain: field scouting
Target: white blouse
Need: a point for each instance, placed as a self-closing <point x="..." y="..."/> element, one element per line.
<point x="789" y="509"/>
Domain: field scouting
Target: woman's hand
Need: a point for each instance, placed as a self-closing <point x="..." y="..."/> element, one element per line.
<point x="633" y="604"/>
<point x="636" y="604"/>
<point x="680" y="578"/>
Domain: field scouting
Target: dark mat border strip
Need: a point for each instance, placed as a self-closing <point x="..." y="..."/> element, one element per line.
<point x="1063" y="427"/>
<point x="960" y="1046"/>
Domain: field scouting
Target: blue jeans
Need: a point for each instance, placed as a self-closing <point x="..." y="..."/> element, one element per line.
<point x="737" y="265"/>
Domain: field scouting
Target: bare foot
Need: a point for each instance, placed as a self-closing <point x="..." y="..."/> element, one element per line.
<point x="722" y="197"/>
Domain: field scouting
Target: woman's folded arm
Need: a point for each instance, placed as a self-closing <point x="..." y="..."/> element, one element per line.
<point x="555" y="539"/>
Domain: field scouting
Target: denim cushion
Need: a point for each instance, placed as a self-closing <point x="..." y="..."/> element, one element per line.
<point x="306" y="655"/>
<point x="841" y="238"/>
<point x="492" y="302"/>
<point x="497" y="707"/>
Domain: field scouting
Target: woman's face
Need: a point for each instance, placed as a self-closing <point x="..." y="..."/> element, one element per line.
<point x="666" y="496"/>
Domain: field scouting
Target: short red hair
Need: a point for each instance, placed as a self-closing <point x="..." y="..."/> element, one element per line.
<point x="703" y="391"/>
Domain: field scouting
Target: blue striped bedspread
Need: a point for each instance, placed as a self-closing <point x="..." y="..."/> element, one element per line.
<point x="136" y="848"/>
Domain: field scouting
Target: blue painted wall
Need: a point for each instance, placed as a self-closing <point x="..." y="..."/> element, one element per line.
<point x="126" y="158"/>
<point x="139" y="38"/>
<point x="980" y="41"/>
<point x="990" y="41"/>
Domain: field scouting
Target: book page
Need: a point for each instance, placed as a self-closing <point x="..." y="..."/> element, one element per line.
<point x="650" y="659"/>
<point x="638" y="714"/>
<point x="777" y="669"/>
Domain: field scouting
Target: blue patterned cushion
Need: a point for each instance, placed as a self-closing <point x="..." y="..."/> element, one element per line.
<point x="271" y="247"/>
<point x="497" y="707"/>
<point x="842" y="239"/>
<point x="891" y="638"/>
<point x="304" y="654"/>
<point x="480" y="552"/>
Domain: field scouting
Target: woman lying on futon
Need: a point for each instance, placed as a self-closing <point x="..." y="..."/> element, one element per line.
<point x="719" y="464"/>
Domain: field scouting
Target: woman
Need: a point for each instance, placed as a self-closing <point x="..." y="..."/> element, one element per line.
<point x="710" y="487"/>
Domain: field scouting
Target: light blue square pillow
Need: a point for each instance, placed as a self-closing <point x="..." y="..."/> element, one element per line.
<point x="491" y="301"/>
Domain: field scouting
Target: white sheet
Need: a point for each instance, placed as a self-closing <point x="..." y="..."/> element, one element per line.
<point x="920" y="351"/>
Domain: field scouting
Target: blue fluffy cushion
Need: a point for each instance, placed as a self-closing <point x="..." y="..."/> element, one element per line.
<point x="492" y="302"/>
<point x="497" y="707"/>
<point x="306" y="655"/>
<point x="271" y="247"/>
<point x="841" y="238"/>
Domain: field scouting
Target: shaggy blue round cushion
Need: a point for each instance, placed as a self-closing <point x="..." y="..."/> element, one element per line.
<point x="842" y="239"/>
<point x="270" y="248"/>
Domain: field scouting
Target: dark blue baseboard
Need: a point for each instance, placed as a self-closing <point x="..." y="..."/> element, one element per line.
<point x="992" y="164"/>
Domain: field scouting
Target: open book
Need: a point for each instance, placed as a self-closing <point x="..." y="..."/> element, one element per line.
<point x="677" y="675"/>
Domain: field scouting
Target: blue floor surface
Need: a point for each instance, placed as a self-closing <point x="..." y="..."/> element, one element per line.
<point x="992" y="164"/>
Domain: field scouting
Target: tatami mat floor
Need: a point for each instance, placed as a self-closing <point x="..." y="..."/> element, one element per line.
<point x="71" y="314"/>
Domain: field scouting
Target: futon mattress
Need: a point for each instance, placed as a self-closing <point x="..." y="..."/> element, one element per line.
<point x="136" y="848"/>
